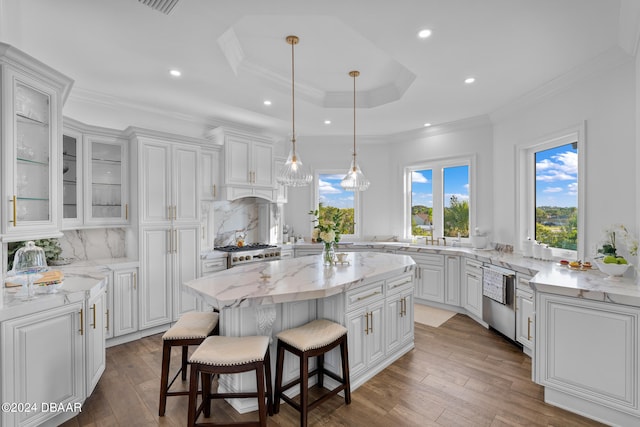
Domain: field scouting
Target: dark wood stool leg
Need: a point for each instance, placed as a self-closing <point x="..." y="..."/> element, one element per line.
<point x="304" y="389"/>
<point x="345" y="370"/>
<point x="185" y="354"/>
<point x="269" y="384"/>
<point x="193" y="395"/>
<point x="320" y="361"/>
<point x="279" y="368"/>
<point x="164" y="378"/>
<point x="206" y="393"/>
<point x="262" y="409"/>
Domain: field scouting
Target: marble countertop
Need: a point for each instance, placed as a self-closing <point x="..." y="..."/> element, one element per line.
<point x="548" y="276"/>
<point x="292" y="279"/>
<point x="82" y="279"/>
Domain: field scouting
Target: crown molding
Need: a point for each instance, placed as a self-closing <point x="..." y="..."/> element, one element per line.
<point x="443" y="128"/>
<point x="608" y="60"/>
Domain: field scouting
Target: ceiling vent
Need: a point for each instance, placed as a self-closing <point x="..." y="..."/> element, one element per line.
<point x="164" y="6"/>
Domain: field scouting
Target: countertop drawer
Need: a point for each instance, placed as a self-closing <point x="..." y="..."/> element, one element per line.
<point x="398" y="285"/>
<point x="365" y="295"/>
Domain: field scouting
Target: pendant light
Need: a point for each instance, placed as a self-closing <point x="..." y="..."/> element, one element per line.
<point x="355" y="179"/>
<point x="293" y="173"/>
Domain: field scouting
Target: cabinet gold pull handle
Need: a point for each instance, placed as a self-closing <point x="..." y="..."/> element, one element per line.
<point x="107" y="313"/>
<point x="529" y="328"/>
<point x="94" y="316"/>
<point x="368" y="296"/>
<point x="15" y="210"/>
<point x="371" y="322"/>
<point x="135" y="281"/>
<point x="366" y="329"/>
<point x="126" y="211"/>
<point x="175" y="240"/>
<point x="170" y="240"/>
<point x="175" y="212"/>
<point x="81" y="324"/>
<point x="214" y="190"/>
<point x="169" y="213"/>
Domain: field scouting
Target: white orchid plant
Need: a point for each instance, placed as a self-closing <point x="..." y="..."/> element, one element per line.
<point x="616" y="235"/>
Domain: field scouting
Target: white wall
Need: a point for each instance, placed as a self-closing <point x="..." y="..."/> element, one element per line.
<point x="383" y="163"/>
<point x="606" y="103"/>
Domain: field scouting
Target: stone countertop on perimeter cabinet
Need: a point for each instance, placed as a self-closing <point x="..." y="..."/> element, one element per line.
<point x="548" y="276"/>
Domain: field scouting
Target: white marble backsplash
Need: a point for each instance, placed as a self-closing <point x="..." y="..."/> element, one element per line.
<point x="91" y="244"/>
<point x="237" y="216"/>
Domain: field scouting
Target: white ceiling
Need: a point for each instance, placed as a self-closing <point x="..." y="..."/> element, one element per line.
<point x="233" y="56"/>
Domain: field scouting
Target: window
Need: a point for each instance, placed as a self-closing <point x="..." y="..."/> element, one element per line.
<point x="439" y="199"/>
<point x="331" y="197"/>
<point x="550" y="198"/>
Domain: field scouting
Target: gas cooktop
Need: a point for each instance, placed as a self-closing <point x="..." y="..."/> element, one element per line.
<point x="250" y="247"/>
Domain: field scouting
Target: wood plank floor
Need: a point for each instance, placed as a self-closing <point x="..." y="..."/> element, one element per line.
<point x="459" y="374"/>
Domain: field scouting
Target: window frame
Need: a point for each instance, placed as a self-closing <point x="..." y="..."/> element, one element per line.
<point x="437" y="166"/>
<point x="357" y="203"/>
<point x="526" y="188"/>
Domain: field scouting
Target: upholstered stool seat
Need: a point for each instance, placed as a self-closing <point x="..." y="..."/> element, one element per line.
<point x="191" y="329"/>
<point x="228" y="355"/>
<point x="313" y="339"/>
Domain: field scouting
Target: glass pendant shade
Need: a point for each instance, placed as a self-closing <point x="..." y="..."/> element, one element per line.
<point x="294" y="173"/>
<point x="355" y="180"/>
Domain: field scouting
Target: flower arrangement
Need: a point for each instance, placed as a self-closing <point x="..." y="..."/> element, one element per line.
<point x="616" y="235"/>
<point x="327" y="231"/>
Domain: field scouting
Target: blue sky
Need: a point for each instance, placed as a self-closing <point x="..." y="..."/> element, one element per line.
<point x="330" y="192"/>
<point x="456" y="182"/>
<point x="557" y="177"/>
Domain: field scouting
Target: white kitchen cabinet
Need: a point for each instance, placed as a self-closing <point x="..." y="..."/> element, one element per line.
<point x="286" y="251"/>
<point x="210" y="174"/>
<point x="399" y="313"/>
<point x="586" y="356"/>
<point x="170" y="229"/>
<point x="106" y="180"/>
<point x="95" y="339"/>
<point x="430" y="277"/>
<point x="452" y="284"/>
<point x="43" y="361"/>
<point x="124" y="312"/>
<point x="472" y="288"/>
<point x="95" y="177"/>
<point x="525" y="313"/>
<point x="365" y="327"/>
<point x="31" y="96"/>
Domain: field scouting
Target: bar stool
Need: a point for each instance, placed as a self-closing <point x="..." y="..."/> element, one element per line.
<point x="313" y="339"/>
<point x="229" y="355"/>
<point x="191" y="329"/>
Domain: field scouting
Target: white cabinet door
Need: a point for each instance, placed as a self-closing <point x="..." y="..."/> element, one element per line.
<point x="186" y="258"/>
<point x="430" y="283"/>
<point x="452" y="288"/>
<point x="155" y="183"/>
<point x="156" y="283"/>
<point x="237" y="161"/>
<point x="525" y="318"/>
<point x="95" y="345"/>
<point x="262" y="164"/>
<point x="107" y="180"/>
<point x="356" y="323"/>
<point x="186" y="188"/>
<point x="375" y="337"/>
<point x="210" y="174"/>
<point x="473" y="294"/>
<point x="43" y="361"/>
<point x="125" y="302"/>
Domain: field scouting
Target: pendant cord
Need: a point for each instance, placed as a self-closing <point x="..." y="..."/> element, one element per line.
<point x="293" y="97"/>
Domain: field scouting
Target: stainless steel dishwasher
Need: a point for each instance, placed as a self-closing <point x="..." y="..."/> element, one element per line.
<point x="498" y="299"/>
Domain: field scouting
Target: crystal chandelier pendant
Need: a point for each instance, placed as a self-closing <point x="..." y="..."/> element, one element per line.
<point x="294" y="173"/>
<point x="355" y="180"/>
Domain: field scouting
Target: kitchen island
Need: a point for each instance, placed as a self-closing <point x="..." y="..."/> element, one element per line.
<point x="371" y="294"/>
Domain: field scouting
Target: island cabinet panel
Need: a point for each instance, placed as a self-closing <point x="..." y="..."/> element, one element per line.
<point x="96" y="335"/>
<point x="588" y="350"/>
<point x="525" y="313"/>
<point x="43" y="361"/>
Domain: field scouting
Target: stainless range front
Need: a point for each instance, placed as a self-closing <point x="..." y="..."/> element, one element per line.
<point x="257" y="252"/>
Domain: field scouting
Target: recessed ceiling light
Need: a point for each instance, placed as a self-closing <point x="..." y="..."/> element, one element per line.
<point x="469" y="80"/>
<point x="423" y="34"/>
<point x="327" y="122"/>
<point x="427" y="125"/>
<point x="175" y="73"/>
<point x="267" y="102"/>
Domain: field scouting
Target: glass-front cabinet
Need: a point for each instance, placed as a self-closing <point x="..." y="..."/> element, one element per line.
<point x="32" y="96"/>
<point x="95" y="173"/>
<point x="106" y="200"/>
